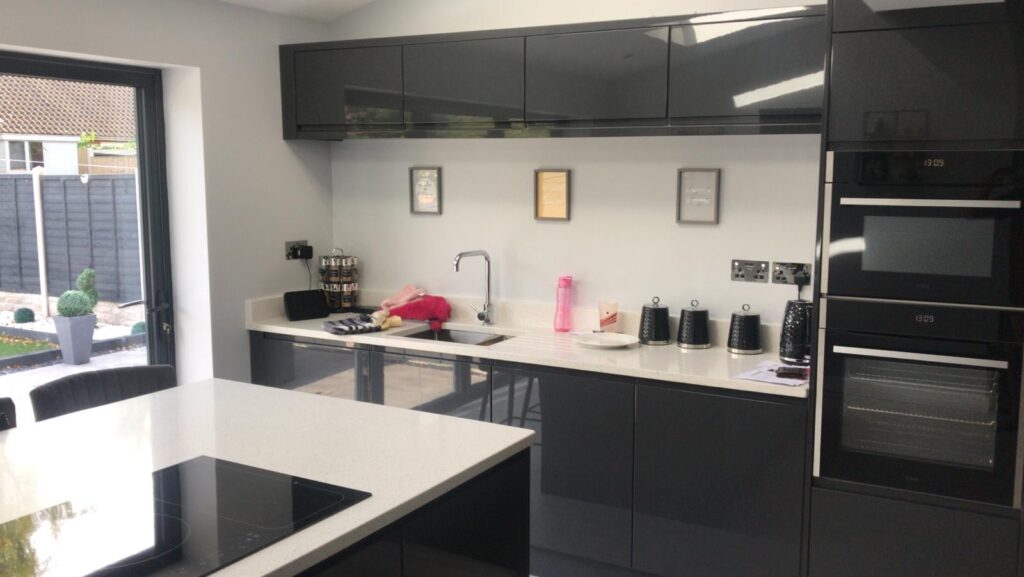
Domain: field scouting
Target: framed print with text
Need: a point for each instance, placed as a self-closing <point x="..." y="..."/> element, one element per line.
<point x="551" y="194"/>
<point x="425" y="190"/>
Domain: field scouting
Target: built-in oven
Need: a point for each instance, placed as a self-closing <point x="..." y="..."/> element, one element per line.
<point x="923" y="398"/>
<point x="925" y="226"/>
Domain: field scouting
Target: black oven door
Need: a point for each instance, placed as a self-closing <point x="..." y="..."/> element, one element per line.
<point x="933" y="416"/>
<point x="947" y="244"/>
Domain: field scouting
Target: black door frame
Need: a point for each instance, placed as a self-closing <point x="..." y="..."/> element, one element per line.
<point x="153" y="205"/>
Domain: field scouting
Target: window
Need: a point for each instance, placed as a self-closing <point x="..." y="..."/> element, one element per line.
<point x="16" y="156"/>
<point x="35" y="154"/>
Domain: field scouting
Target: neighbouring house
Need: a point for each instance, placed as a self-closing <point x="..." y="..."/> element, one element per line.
<point x="66" y="127"/>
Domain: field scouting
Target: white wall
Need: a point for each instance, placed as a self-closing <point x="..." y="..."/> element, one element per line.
<point x="237" y="190"/>
<point x="622" y="243"/>
<point x="408" y="17"/>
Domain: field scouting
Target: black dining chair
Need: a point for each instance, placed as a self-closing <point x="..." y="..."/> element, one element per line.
<point x="95" y="388"/>
<point x="8" y="419"/>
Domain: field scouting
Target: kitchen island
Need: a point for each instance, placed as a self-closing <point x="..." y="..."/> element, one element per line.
<point x="414" y="465"/>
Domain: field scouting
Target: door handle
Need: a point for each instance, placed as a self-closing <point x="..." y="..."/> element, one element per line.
<point x="930" y="203"/>
<point x="904" y="356"/>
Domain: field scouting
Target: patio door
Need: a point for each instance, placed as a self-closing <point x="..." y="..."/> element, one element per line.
<point x="82" y="150"/>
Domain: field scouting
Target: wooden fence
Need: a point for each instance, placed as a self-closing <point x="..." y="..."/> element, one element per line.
<point x="93" y="224"/>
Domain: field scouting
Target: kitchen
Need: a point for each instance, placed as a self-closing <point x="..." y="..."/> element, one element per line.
<point x="607" y="497"/>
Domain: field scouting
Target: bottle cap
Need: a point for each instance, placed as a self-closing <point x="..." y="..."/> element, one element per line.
<point x="565" y="282"/>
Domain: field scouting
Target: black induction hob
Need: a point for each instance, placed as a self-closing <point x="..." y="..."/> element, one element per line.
<point x="194" y="518"/>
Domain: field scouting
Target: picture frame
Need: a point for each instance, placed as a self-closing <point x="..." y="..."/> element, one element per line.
<point x="697" y="195"/>
<point x="425" y="190"/>
<point x="552" y="194"/>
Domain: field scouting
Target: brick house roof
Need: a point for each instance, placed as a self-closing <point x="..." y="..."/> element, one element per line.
<point x="33" y="105"/>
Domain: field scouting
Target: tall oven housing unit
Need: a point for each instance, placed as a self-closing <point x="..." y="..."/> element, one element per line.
<point x="918" y="449"/>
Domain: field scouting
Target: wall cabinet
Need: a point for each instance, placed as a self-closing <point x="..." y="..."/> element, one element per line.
<point x="719" y="484"/>
<point x="581" y="491"/>
<point x="346" y="87"/>
<point x="465" y="82"/>
<point x="854" y="15"/>
<point x="767" y="70"/>
<point x="603" y="75"/>
<point x="936" y="85"/>
<point x="855" y="535"/>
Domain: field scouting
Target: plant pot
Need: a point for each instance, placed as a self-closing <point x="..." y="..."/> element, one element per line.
<point x="75" y="337"/>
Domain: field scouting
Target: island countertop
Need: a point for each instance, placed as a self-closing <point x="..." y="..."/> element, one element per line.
<point x="404" y="458"/>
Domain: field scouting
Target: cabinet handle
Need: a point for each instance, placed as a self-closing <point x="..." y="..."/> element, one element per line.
<point x="930" y="203"/>
<point x="941" y="359"/>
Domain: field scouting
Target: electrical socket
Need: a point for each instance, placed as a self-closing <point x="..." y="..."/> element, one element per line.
<point x="749" y="271"/>
<point x="787" y="272"/>
<point x="291" y="248"/>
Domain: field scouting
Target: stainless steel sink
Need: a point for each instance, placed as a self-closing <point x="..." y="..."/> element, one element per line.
<point x="463" y="337"/>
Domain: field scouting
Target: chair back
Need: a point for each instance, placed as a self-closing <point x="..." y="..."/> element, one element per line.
<point x="95" y="388"/>
<point x="8" y="419"/>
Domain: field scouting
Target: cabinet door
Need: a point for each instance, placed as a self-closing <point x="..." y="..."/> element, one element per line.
<point x="719" y="485"/>
<point x="957" y="83"/>
<point x="581" y="462"/>
<point x="473" y="81"/>
<point x="857" y="535"/>
<point x="607" y="75"/>
<point x="446" y="387"/>
<point x="305" y="366"/>
<point x="851" y="15"/>
<point x="755" y="68"/>
<point x="349" y="86"/>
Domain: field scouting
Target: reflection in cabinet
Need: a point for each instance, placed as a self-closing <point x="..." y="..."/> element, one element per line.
<point x="348" y="86"/>
<point x="753" y="68"/>
<point x="958" y="83"/>
<point x="852" y="15"/>
<point x="719" y="484"/>
<point x="305" y="365"/>
<point x="457" y="388"/>
<point x="472" y="81"/>
<point x="581" y="461"/>
<point x="605" y="75"/>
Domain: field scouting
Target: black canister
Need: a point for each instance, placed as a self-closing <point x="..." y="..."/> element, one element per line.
<point x="745" y="332"/>
<point x="654" y="324"/>
<point x="795" y="341"/>
<point x="693" y="328"/>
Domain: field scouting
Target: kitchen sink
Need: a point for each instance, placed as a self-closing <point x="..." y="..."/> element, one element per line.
<point x="463" y="337"/>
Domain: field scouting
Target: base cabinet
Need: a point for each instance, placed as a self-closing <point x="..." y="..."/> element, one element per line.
<point x="306" y="365"/>
<point x="719" y="484"/>
<point x="854" y="535"/>
<point x="450" y="386"/>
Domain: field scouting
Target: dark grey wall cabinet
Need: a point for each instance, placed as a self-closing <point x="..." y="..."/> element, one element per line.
<point x="944" y="84"/>
<point x="472" y="81"/>
<point x="581" y="461"/>
<point x="605" y="75"/>
<point x="760" y="68"/>
<point x="349" y="86"/>
<point x="306" y="365"/>
<point x="446" y="386"/>
<point x="856" y="535"/>
<point x="719" y="484"/>
<point x="852" y="15"/>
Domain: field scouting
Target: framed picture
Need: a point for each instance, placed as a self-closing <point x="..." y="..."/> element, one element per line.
<point x="697" y="195"/>
<point x="425" y="190"/>
<point x="551" y="194"/>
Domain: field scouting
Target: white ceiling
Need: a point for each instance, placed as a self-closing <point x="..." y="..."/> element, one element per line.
<point x="324" y="10"/>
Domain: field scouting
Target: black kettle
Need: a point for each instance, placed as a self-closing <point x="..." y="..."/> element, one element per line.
<point x="795" y="341"/>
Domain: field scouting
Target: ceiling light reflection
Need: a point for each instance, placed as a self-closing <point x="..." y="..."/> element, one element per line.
<point x="783" y="88"/>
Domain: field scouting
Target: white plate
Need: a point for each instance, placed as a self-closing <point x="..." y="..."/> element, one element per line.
<point x="605" y="340"/>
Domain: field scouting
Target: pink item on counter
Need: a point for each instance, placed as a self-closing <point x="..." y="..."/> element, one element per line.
<point x="409" y="293"/>
<point x="563" y="305"/>
<point x="427" y="308"/>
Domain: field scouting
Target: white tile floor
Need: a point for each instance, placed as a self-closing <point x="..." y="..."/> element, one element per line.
<point x="17" y="385"/>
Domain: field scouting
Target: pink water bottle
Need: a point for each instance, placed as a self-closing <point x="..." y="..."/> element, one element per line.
<point x="563" y="305"/>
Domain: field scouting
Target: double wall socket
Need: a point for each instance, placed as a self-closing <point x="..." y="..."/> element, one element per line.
<point x="292" y="250"/>
<point x="790" y="272"/>
<point x="750" y="270"/>
<point x="780" y="272"/>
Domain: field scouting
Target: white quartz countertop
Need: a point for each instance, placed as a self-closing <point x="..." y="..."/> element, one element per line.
<point x="714" y="367"/>
<point x="404" y="458"/>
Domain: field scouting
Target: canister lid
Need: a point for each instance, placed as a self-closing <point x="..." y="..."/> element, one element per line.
<point x="695" y="306"/>
<point x="654" y="304"/>
<point x="746" y="312"/>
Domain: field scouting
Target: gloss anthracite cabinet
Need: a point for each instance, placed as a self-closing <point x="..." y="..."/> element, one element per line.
<point x="853" y="15"/>
<point x="581" y="462"/>
<point x="761" y="69"/>
<point x="719" y="484"/>
<point x="855" y="535"/>
<point x="603" y="75"/>
<point x="939" y="85"/>
<point x="470" y="81"/>
<point x="435" y="384"/>
<point x="306" y="365"/>
<point x="348" y="86"/>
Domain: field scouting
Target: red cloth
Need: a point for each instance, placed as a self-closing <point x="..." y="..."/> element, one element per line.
<point x="429" y="308"/>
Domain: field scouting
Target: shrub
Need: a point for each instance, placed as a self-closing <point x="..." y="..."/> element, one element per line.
<point x="24" y="315"/>
<point x="74" y="304"/>
<point x="86" y="283"/>
<point x="139" y="328"/>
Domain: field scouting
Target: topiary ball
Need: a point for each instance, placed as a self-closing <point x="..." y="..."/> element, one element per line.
<point x="86" y="282"/>
<point x="139" y="328"/>
<point x="24" y="315"/>
<point x="74" y="304"/>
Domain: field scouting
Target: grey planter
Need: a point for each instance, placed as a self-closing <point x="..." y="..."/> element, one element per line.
<point x="75" y="336"/>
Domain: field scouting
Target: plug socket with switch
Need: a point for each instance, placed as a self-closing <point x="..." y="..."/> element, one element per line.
<point x="298" y="250"/>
